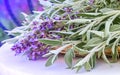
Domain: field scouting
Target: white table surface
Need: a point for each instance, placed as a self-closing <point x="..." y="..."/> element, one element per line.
<point x="20" y="65"/>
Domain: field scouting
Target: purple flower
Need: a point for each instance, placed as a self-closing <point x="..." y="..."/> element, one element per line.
<point x="49" y="26"/>
<point x="42" y="34"/>
<point x="35" y="23"/>
<point x="91" y="2"/>
<point x="58" y="37"/>
<point x="31" y="44"/>
<point x="57" y="18"/>
<point x="43" y="28"/>
<point x="68" y="9"/>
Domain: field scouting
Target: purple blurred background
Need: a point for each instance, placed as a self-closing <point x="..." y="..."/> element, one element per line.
<point x="10" y="13"/>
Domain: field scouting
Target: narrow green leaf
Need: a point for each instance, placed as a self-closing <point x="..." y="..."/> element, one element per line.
<point x="115" y="56"/>
<point x="47" y="55"/>
<point x="103" y="10"/>
<point x="84" y="60"/>
<point x="99" y="54"/>
<point x="104" y="56"/>
<point x="93" y="42"/>
<point x="57" y="51"/>
<point x="108" y="23"/>
<point x="98" y="33"/>
<point x="109" y="39"/>
<point x="63" y="32"/>
<point x="87" y="66"/>
<point x="69" y="57"/>
<point x="114" y="28"/>
<point x="76" y="33"/>
<point x="78" y="68"/>
<point x="51" y="60"/>
<point x="51" y="41"/>
<point x="87" y="57"/>
<point x="85" y="29"/>
<point x="80" y="21"/>
<point x="93" y="61"/>
<point x="90" y="14"/>
<point x="88" y="35"/>
<point x="114" y="44"/>
<point x="81" y="51"/>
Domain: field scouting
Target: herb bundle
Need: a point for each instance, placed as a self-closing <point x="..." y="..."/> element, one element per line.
<point x="90" y="27"/>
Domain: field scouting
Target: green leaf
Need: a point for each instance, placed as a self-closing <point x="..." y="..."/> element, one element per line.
<point x="75" y="33"/>
<point x="105" y="10"/>
<point x="78" y="68"/>
<point x="51" y="60"/>
<point x="93" y="42"/>
<point x="112" y="1"/>
<point x="90" y="14"/>
<point x="99" y="54"/>
<point x="47" y="54"/>
<point x="51" y="41"/>
<point x="108" y="23"/>
<point x="93" y="61"/>
<point x="57" y="51"/>
<point x="81" y="51"/>
<point x="54" y="54"/>
<point x="112" y="36"/>
<point x="78" y="5"/>
<point x="115" y="44"/>
<point x="85" y="29"/>
<point x="104" y="56"/>
<point x="115" y="55"/>
<point x="80" y="21"/>
<point x="109" y="39"/>
<point x="69" y="57"/>
<point x="87" y="57"/>
<point x="98" y="33"/>
<point x="63" y="32"/>
<point x="84" y="60"/>
<point x="87" y="66"/>
<point x="114" y="28"/>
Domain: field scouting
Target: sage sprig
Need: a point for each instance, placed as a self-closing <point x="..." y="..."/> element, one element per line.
<point x="88" y="27"/>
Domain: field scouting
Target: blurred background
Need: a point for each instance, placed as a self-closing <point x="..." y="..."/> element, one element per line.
<point x="10" y="14"/>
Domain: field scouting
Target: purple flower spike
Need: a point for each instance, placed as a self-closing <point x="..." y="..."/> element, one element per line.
<point x="49" y="26"/>
<point x="68" y="9"/>
<point x="91" y="2"/>
<point x="43" y="28"/>
<point x="35" y="23"/>
<point x="42" y="34"/>
<point x="57" y="18"/>
<point x="31" y="45"/>
<point x="58" y="37"/>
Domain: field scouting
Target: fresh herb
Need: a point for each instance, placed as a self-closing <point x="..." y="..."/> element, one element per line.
<point x="89" y="27"/>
